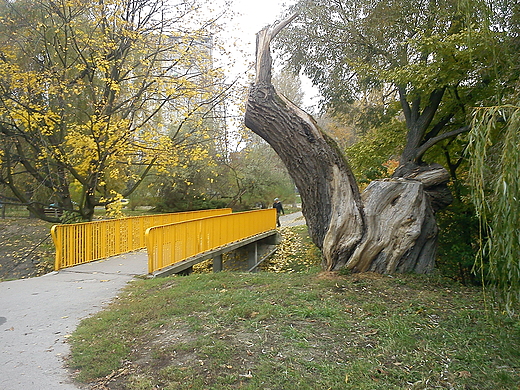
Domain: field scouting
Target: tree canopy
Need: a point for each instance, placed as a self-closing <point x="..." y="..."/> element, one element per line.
<point x="94" y="94"/>
<point x="438" y="58"/>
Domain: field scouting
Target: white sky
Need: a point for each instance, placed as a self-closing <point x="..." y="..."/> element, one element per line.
<point x="251" y="16"/>
<point x="246" y="18"/>
<point x="259" y="13"/>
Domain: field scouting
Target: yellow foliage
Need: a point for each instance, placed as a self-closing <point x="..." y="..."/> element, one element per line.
<point x="391" y="165"/>
<point x="85" y="109"/>
<point x="82" y="151"/>
<point x="114" y="209"/>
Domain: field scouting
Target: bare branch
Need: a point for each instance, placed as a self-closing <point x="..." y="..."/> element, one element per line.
<point x="432" y="141"/>
<point x="263" y="52"/>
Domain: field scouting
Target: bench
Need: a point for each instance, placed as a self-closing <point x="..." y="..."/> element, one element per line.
<point x="53" y="212"/>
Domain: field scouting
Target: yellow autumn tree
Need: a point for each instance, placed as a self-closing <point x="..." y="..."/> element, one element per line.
<point x="95" y="94"/>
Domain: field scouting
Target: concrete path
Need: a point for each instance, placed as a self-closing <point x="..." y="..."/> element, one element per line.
<point x="294" y="219"/>
<point x="38" y="314"/>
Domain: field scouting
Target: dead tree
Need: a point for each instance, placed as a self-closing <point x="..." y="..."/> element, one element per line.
<point x="389" y="228"/>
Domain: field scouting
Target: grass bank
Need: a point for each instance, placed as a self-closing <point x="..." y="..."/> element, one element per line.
<point x="300" y="330"/>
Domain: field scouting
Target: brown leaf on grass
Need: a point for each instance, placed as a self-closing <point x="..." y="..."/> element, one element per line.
<point x="464" y="374"/>
<point x="371" y="332"/>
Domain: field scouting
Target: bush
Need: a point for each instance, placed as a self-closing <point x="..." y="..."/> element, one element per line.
<point x="458" y="242"/>
<point x="180" y="203"/>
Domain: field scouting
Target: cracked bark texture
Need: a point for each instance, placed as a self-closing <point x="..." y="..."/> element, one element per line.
<point x="389" y="228"/>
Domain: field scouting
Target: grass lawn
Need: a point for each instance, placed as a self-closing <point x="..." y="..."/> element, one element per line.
<point x="298" y="330"/>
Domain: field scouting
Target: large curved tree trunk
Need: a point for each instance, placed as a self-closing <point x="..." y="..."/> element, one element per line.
<point x="389" y="228"/>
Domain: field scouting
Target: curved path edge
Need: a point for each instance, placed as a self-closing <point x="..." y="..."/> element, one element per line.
<point x="38" y="314"/>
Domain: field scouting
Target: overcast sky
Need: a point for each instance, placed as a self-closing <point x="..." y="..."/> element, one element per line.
<point x="253" y="15"/>
<point x="250" y="17"/>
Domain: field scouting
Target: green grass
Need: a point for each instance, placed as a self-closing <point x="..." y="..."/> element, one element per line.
<point x="298" y="331"/>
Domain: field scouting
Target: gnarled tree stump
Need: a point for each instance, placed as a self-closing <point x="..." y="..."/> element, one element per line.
<point x="390" y="228"/>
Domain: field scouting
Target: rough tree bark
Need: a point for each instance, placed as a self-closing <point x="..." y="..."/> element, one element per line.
<point x="389" y="228"/>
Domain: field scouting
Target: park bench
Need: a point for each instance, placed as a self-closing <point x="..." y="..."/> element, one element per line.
<point x="53" y="211"/>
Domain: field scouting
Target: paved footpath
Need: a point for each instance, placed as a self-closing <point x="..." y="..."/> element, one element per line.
<point x="294" y="219"/>
<point x="38" y="314"/>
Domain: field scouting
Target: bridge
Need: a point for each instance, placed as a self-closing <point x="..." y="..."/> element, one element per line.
<point x="174" y="242"/>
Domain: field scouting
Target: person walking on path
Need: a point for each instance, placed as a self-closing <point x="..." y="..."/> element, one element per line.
<point x="279" y="210"/>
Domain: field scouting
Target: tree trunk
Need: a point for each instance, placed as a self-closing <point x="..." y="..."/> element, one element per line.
<point x="400" y="233"/>
<point x="391" y="228"/>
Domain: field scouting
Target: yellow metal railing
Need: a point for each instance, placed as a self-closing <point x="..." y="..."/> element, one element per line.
<point x="169" y="244"/>
<point x="85" y="242"/>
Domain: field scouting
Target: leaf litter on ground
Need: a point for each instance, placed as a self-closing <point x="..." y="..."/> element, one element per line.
<point x="296" y="327"/>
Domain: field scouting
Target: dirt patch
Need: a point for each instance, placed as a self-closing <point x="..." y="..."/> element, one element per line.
<point x="26" y="249"/>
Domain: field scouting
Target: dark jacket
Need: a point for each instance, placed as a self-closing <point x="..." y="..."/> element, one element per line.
<point x="279" y="208"/>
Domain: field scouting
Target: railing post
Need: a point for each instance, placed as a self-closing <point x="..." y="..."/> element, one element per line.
<point x="217" y="263"/>
<point x="252" y="258"/>
<point x="58" y="244"/>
